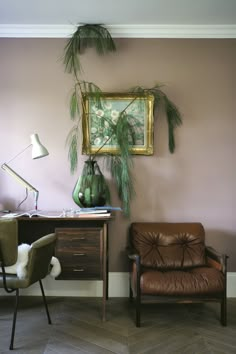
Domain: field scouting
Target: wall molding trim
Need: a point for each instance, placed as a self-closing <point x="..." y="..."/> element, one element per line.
<point x="122" y="31"/>
<point x="118" y="287"/>
<point x="231" y="284"/>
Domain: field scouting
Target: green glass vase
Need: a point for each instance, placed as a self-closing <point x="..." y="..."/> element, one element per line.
<point x="91" y="188"/>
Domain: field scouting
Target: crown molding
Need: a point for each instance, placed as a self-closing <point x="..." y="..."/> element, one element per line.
<point x="122" y="31"/>
<point x="173" y="31"/>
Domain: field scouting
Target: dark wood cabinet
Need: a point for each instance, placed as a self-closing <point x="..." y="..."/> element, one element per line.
<point x="80" y="251"/>
<point x="82" y="246"/>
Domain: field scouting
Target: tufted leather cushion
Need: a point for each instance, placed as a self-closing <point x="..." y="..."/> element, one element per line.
<point x="197" y="281"/>
<point x="169" y="245"/>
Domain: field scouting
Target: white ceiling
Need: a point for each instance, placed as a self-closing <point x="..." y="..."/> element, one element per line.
<point x="117" y="13"/>
<point x="112" y="12"/>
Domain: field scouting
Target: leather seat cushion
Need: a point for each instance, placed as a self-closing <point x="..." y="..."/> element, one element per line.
<point x="197" y="281"/>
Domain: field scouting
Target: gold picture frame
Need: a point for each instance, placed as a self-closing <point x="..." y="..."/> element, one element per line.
<point x="96" y="129"/>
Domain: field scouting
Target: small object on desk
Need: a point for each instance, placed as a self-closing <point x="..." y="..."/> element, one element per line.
<point x="89" y="211"/>
<point x="93" y="215"/>
<point x="68" y="213"/>
<point x="9" y="215"/>
<point x="32" y="213"/>
<point x="101" y="208"/>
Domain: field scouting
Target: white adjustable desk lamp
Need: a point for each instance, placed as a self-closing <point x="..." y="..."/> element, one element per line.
<point x="38" y="151"/>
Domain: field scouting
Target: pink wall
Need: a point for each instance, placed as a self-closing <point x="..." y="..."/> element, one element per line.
<point x="197" y="183"/>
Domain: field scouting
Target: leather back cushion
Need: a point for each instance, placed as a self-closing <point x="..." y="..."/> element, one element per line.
<point x="169" y="245"/>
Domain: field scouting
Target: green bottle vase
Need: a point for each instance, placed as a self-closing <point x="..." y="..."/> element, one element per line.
<point x="91" y="188"/>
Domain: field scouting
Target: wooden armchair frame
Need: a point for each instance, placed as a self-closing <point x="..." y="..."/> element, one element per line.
<point x="213" y="258"/>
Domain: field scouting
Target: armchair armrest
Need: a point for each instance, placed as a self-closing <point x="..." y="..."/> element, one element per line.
<point x="216" y="259"/>
<point x="133" y="254"/>
<point x="135" y="270"/>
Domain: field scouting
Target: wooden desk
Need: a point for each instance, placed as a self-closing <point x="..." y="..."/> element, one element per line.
<point x="82" y="246"/>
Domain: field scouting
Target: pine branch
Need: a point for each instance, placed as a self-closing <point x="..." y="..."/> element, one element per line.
<point x="173" y="115"/>
<point x="72" y="142"/>
<point x="86" y="36"/>
<point x="97" y="36"/>
<point x="121" y="172"/>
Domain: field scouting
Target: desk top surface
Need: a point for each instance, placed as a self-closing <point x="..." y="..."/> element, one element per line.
<point x="76" y="218"/>
<point x="53" y="215"/>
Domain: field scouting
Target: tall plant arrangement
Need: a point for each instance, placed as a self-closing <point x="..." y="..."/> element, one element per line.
<point x="120" y="165"/>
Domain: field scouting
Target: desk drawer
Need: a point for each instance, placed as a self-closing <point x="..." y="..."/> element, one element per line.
<point x="84" y="262"/>
<point x="81" y="272"/>
<point x="70" y="238"/>
<point x="78" y="256"/>
<point x="78" y="252"/>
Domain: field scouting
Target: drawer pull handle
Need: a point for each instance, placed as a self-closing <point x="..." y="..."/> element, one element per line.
<point x="79" y="238"/>
<point x="79" y="254"/>
<point x="78" y="270"/>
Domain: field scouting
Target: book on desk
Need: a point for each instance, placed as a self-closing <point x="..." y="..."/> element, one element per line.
<point x="32" y="213"/>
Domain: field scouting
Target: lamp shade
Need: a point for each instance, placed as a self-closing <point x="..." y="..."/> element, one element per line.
<point x="38" y="150"/>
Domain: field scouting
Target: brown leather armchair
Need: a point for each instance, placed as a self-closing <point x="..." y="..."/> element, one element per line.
<point x="170" y="262"/>
<point x="38" y="266"/>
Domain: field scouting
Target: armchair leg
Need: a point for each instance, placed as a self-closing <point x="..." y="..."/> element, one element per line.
<point x="137" y="311"/>
<point x="223" y="312"/>
<point x="130" y="293"/>
<point x="45" y="302"/>
<point x="14" y="320"/>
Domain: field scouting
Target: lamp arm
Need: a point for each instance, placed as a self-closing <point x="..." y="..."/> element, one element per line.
<point x="22" y="181"/>
<point x="21" y="152"/>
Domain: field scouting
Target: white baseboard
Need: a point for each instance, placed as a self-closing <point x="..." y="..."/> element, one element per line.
<point x="231" y="284"/>
<point x="118" y="287"/>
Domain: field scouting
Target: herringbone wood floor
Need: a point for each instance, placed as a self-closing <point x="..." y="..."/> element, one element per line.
<point x="77" y="328"/>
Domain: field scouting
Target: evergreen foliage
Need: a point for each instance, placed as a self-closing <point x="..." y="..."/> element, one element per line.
<point x="172" y="112"/>
<point x="84" y="37"/>
<point x="119" y="164"/>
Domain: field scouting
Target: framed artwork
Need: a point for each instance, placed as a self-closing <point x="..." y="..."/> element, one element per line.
<point x="100" y="116"/>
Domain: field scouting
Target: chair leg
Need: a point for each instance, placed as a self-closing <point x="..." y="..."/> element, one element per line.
<point x="45" y="302"/>
<point x="14" y="319"/>
<point x="223" y="312"/>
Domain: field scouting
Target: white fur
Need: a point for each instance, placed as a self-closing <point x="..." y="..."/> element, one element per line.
<point x="56" y="267"/>
<point x="20" y="267"/>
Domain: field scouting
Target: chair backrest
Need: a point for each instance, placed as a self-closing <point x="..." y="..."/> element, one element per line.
<point x="8" y="241"/>
<point x="169" y="245"/>
<point x="40" y="256"/>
